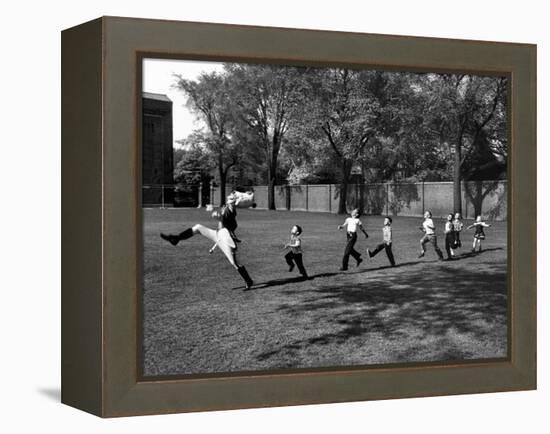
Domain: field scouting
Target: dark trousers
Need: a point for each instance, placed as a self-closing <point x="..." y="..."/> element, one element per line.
<point x="433" y="240"/>
<point x="457" y="243"/>
<point x="389" y="252"/>
<point x="352" y="239"/>
<point x="449" y="243"/>
<point x="292" y="258"/>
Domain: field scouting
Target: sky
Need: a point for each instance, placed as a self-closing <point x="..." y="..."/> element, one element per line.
<point x="158" y="77"/>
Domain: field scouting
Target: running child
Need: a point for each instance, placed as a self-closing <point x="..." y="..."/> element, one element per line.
<point x="386" y="244"/>
<point x="459" y="225"/>
<point x="294" y="256"/>
<point x="223" y="236"/>
<point x="352" y="223"/>
<point x="479" y="234"/>
<point x="428" y="228"/>
<point x="450" y="237"/>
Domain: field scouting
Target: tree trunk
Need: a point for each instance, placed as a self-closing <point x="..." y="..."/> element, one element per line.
<point x="222" y="185"/>
<point x="205" y="183"/>
<point x="361" y="204"/>
<point x="478" y="198"/>
<point x="270" y="186"/>
<point x="271" y="182"/>
<point x="457" y="187"/>
<point x="270" y="191"/>
<point x="342" y="205"/>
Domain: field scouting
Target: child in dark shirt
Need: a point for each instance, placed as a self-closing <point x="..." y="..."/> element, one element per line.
<point x="479" y="233"/>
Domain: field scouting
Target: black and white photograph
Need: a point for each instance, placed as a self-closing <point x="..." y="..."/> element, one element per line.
<point x="320" y="217"/>
<point x="290" y="217"/>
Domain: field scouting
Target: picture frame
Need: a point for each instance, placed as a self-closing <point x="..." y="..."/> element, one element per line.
<point x="101" y="265"/>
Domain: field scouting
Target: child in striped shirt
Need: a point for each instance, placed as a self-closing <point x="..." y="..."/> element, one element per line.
<point x="458" y="225"/>
<point x="450" y="237"/>
<point x="386" y="244"/>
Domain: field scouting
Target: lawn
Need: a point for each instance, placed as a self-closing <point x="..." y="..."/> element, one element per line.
<point x="199" y="319"/>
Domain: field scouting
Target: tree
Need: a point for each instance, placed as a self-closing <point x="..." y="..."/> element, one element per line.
<point x="208" y="98"/>
<point x="343" y="111"/>
<point x="193" y="161"/>
<point x="464" y="109"/>
<point x="393" y="152"/>
<point x="267" y="100"/>
<point x="193" y="165"/>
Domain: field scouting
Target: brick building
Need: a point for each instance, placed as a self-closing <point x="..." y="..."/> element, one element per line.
<point x="157" y="151"/>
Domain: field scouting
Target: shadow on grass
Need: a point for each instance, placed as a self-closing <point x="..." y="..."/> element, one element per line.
<point x="285" y="281"/>
<point x="277" y="282"/>
<point x="471" y="254"/>
<point x="421" y="304"/>
<point x="288" y="280"/>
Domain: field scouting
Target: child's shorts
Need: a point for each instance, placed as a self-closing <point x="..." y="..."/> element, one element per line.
<point x="479" y="236"/>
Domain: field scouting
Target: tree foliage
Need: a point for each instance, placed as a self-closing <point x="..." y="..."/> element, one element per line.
<point x="295" y="124"/>
<point x="266" y="100"/>
<point x="467" y="115"/>
<point x="208" y="97"/>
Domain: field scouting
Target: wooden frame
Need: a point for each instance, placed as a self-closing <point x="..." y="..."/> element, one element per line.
<point x="100" y="185"/>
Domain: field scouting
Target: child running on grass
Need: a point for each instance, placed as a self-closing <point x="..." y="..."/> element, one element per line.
<point x="457" y="222"/>
<point x="428" y="228"/>
<point x="352" y="223"/>
<point x="450" y="237"/>
<point x="479" y="234"/>
<point x="294" y="256"/>
<point x="386" y="244"/>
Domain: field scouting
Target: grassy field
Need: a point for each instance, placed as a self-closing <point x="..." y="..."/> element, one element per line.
<point x="199" y="319"/>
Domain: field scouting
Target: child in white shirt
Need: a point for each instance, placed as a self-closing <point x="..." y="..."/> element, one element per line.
<point x="352" y="223"/>
<point x="428" y="228"/>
